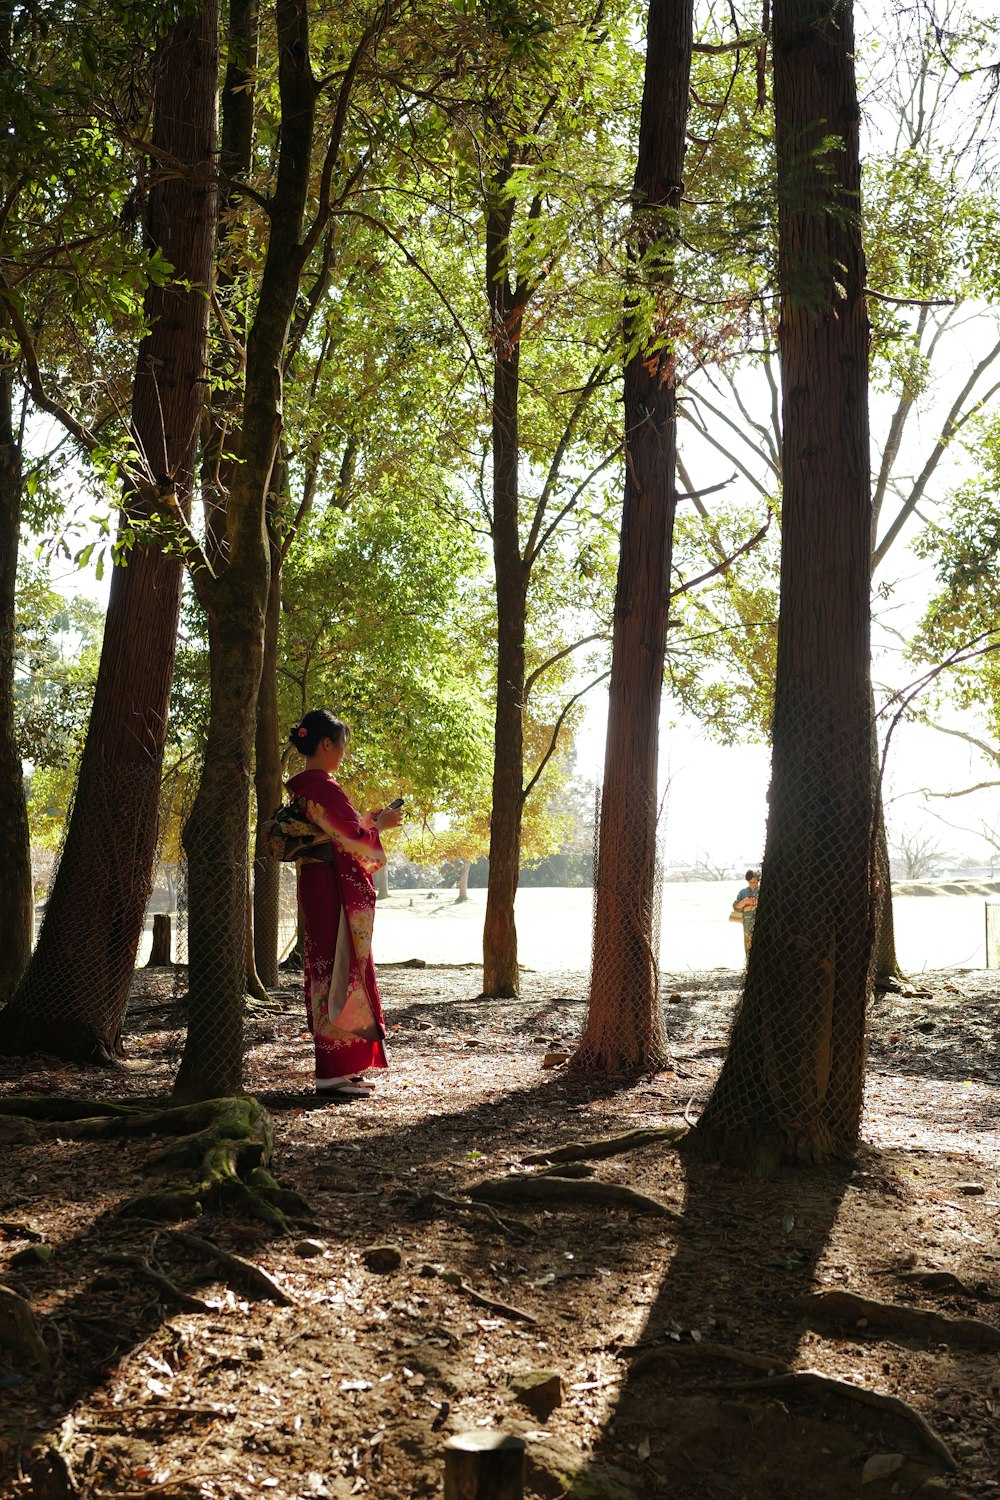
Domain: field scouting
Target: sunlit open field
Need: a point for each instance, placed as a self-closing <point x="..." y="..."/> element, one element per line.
<point x="932" y="931"/>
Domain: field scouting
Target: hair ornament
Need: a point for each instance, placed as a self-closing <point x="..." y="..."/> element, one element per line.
<point x="301" y="732"/>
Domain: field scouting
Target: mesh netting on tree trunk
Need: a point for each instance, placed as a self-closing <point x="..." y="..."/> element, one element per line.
<point x="77" y="983"/>
<point x="625" y="1028"/>
<point x="792" y="1080"/>
<point x="284" y="893"/>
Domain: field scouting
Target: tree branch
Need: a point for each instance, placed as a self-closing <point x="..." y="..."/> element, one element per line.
<point x="533" y="677"/>
<point x="557" y="727"/>
<point x="726" y="563"/>
<point x="954" y="421"/>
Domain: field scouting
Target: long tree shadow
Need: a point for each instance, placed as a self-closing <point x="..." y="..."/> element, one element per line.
<point x="689" y="1313"/>
<point x="714" y="1401"/>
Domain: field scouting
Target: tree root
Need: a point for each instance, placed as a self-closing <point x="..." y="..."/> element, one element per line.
<point x="556" y="1191"/>
<point x="946" y="1281"/>
<point x="609" y="1145"/>
<point x="244" y="1276"/>
<point x="889" y="1317"/>
<point x="506" y="1309"/>
<point x="650" y="1359"/>
<point x="813" y="1382"/>
<point x="164" y="1285"/>
<point x="225" y="1144"/>
<point x="20" y="1337"/>
<point x="508" y="1226"/>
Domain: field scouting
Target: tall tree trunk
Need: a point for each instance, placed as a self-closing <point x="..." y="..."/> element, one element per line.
<point x="74" y="992"/>
<point x="500" y="968"/>
<point x="17" y="910"/>
<point x="623" y="1029"/>
<point x="216" y="834"/>
<point x="791" y="1085"/>
<point x="220" y="448"/>
<point x="267" y="787"/>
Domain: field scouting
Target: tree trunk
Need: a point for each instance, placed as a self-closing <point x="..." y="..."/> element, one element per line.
<point x="216" y="834"/>
<point x="791" y="1084"/>
<point x="221" y="441"/>
<point x="267" y="788"/>
<point x="74" y="992"/>
<point x="463" y="881"/>
<point x="17" y="907"/>
<point x="500" y="968"/>
<point x="623" y="1029"/>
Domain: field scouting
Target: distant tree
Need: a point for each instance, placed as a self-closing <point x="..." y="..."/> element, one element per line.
<point x="916" y="854"/>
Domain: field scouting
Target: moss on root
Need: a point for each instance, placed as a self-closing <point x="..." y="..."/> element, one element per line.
<point x="222" y="1146"/>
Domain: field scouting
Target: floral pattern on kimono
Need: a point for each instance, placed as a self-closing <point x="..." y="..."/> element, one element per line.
<point x="343" y="1005"/>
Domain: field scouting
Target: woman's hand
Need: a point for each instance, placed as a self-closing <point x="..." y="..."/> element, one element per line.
<point x="386" y="817"/>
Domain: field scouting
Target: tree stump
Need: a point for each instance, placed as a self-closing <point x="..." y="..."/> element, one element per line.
<point x="484" y="1465"/>
<point x="159" y="954"/>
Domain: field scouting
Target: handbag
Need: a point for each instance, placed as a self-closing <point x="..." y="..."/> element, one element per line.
<point x="736" y="916"/>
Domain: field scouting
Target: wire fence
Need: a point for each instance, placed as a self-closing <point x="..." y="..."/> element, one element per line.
<point x="794" y="1066"/>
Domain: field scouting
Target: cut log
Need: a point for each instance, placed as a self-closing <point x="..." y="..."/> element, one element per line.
<point x="484" y="1465"/>
<point x="159" y="954"/>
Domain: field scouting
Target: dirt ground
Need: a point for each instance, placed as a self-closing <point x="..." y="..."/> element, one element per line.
<point x="637" y="1353"/>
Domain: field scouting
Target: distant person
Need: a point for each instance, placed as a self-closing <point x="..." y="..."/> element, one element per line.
<point x="337" y="901"/>
<point x="746" y="905"/>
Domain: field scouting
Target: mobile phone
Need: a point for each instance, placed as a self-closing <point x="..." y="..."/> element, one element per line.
<point x="398" y="802"/>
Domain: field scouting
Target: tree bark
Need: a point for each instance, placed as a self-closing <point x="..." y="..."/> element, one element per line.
<point x="463" y="881"/>
<point x="73" y="995"/>
<point x="220" y="448"/>
<point x="623" y="1029"/>
<point x="791" y="1085"/>
<point x="216" y="834"/>
<point x="267" y="787"/>
<point x="500" y="967"/>
<point x="17" y="907"/>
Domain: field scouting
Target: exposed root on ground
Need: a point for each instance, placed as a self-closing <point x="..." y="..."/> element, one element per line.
<point x="812" y="1382"/>
<point x="653" y="1359"/>
<point x="506" y="1226"/>
<point x="609" y="1145"/>
<point x="225" y="1144"/>
<point x="947" y="1281"/>
<point x="890" y="1317"/>
<point x="168" y="1291"/>
<point x="506" y="1309"/>
<point x="571" y="1192"/>
<point x="243" y="1275"/>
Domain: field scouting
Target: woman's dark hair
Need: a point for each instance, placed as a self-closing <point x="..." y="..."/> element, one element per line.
<point x="752" y="875"/>
<point x="317" y="725"/>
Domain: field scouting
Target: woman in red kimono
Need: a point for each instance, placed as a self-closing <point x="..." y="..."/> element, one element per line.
<point x="337" y="901"/>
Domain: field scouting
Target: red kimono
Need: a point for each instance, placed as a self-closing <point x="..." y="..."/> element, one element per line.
<point x="337" y="901"/>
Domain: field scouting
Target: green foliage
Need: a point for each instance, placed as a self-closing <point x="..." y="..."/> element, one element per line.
<point x="962" y="616"/>
<point x="381" y="624"/>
